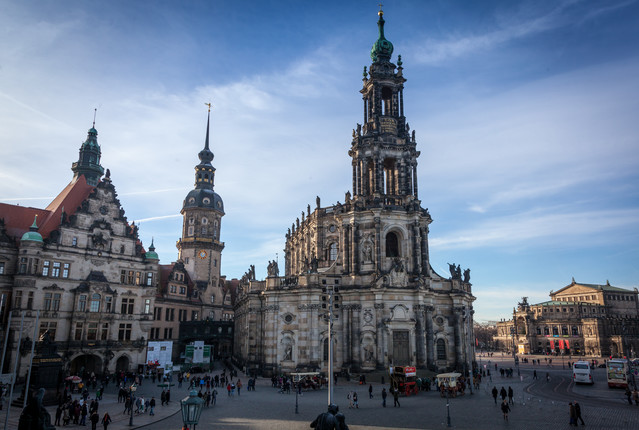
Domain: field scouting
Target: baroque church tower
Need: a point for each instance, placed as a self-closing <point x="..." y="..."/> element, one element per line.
<point x="394" y="309"/>
<point x="200" y="248"/>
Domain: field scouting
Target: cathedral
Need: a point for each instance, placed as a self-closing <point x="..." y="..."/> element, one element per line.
<point x="369" y="256"/>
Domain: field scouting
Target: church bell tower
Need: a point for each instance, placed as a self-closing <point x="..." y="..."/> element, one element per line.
<point x="200" y="248"/>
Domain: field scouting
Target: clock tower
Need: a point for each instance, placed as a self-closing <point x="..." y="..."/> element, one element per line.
<point x="200" y="248"/>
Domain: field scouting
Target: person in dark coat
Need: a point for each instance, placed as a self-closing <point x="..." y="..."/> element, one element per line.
<point x="370" y="391"/>
<point x="326" y="420"/>
<point x="396" y="398"/>
<point x="503" y="394"/>
<point x="510" y="395"/>
<point x="505" y="409"/>
<point x="106" y="420"/>
<point x="95" y="418"/>
<point x="341" y="421"/>
<point x="384" y="397"/>
<point x="573" y="414"/>
<point x="578" y="414"/>
<point x="495" y="392"/>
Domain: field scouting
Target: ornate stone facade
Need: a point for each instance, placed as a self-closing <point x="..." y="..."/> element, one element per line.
<point x="579" y="319"/>
<point x="394" y="308"/>
<point x="83" y="267"/>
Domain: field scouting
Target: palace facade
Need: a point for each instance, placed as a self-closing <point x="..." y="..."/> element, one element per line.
<point x="579" y="319"/>
<point x="392" y="308"/>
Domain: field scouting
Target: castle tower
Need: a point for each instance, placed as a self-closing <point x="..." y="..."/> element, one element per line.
<point x="88" y="163"/>
<point x="200" y="248"/>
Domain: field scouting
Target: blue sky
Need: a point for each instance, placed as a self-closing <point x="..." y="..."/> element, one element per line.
<point x="525" y="114"/>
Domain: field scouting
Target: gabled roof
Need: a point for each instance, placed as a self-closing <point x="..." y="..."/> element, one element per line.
<point x="18" y="219"/>
<point x="597" y="287"/>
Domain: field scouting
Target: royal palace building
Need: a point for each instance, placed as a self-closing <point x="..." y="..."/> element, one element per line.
<point x="77" y="270"/>
<point x="579" y="319"/>
<point x="371" y="252"/>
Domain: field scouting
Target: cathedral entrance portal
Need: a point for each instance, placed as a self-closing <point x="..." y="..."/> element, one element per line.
<point x="401" y="350"/>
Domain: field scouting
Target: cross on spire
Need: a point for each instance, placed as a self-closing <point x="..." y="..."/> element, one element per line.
<point x="209" y="105"/>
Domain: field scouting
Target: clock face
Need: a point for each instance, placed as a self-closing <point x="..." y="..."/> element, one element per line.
<point x="202" y="254"/>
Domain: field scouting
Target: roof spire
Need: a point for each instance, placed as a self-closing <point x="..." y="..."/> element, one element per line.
<point x="208" y="120"/>
<point x="95" y="112"/>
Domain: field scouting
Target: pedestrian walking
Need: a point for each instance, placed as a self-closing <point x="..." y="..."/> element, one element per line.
<point x="535" y="374"/>
<point x="106" y="420"/>
<point x="573" y="415"/>
<point x="505" y="409"/>
<point x="58" y="414"/>
<point x="629" y="396"/>
<point x="510" y="395"/>
<point x="384" y="394"/>
<point x="95" y="418"/>
<point x="396" y="398"/>
<point x="355" y="399"/>
<point x="238" y="384"/>
<point x="152" y="405"/>
<point x="495" y="392"/>
<point x="578" y="414"/>
<point x="370" y="391"/>
<point x="163" y="397"/>
<point x="503" y="394"/>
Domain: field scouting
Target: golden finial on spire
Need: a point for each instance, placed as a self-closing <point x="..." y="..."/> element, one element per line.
<point x="381" y="12"/>
<point x="209" y="105"/>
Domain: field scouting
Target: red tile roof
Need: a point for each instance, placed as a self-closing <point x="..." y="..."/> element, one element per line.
<point x="18" y="219"/>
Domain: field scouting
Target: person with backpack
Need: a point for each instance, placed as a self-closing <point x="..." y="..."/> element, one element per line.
<point x="106" y="420"/>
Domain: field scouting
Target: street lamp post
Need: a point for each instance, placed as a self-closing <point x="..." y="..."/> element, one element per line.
<point x="191" y="407"/>
<point x="132" y="389"/>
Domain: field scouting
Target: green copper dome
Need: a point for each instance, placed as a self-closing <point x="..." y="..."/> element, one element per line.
<point x="382" y="48"/>
<point x="151" y="254"/>
<point x="32" y="235"/>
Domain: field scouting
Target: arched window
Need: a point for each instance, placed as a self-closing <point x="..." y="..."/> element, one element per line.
<point x="392" y="245"/>
<point x="95" y="303"/>
<point x="332" y="251"/>
<point x="546" y="331"/>
<point x="564" y="330"/>
<point x="387" y="96"/>
<point x="441" y="349"/>
<point x="205" y="221"/>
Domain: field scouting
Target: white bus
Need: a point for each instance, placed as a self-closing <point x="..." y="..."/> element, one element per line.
<point x="581" y="373"/>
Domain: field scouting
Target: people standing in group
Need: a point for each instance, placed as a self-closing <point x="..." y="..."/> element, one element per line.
<point x="578" y="414"/>
<point x="384" y="394"/>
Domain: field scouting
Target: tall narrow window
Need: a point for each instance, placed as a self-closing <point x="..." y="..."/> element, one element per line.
<point x="147" y="306"/>
<point x="392" y="245"/>
<point x="127" y="306"/>
<point x="82" y="303"/>
<point x="17" y="300"/>
<point x="441" y="349"/>
<point x="124" y="332"/>
<point x="47" y="301"/>
<point x="108" y="304"/>
<point x="78" y="331"/>
<point x="65" y="270"/>
<point x="138" y="278"/>
<point x="95" y="303"/>
<point x="122" y="276"/>
<point x="23" y="265"/>
<point x="104" y="334"/>
<point x="45" y="268"/>
<point x="30" y="300"/>
<point x="149" y="278"/>
<point x="56" y="302"/>
<point x="332" y="251"/>
<point x="56" y="269"/>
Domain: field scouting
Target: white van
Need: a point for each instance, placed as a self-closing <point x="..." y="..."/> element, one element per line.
<point x="581" y="373"/>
